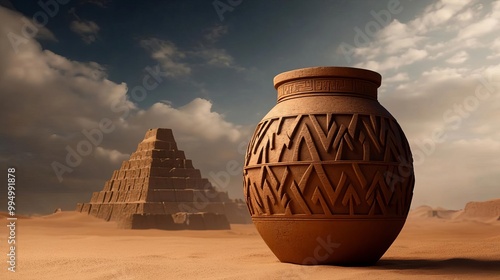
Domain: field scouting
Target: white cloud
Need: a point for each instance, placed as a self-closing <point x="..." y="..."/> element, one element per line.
<point x="465" y="16"/>
<point x="437" y="14"/>
<point x="87" y="30"/>
<point x="179" y="63"/>
<point x="399" y="77"/>
<point x="458" y="58"/>
<point x="495" y="47"/>
<point x="397" y="37"/>
<point x="395" y="62"/>
<point x="111" y="155"/>
<point x="478" y="29"/>
<point x="19" y="30"/>
<point x="168" y="55"/>
<point x="217" y="57"/>
<point x="215" y="33"/>
<point x="195" y="119"/>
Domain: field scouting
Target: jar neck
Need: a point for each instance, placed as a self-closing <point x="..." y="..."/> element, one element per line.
<point x="326" y="86"/>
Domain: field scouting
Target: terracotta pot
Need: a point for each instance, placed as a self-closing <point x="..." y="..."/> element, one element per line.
<point x="328" y="176"/>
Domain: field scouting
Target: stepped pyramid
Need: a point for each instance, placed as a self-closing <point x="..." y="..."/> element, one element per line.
<point x="159" y="188"/>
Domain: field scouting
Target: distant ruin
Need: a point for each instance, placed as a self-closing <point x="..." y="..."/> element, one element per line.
<point x="159" y="188"/>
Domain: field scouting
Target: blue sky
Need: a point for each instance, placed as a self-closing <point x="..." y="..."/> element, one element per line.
<point x="214" y="63"/>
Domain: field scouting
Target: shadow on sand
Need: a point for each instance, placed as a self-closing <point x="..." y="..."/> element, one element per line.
<point x="456" y="265"/>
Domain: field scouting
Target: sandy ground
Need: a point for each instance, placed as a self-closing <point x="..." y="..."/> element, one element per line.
<point x="71" y="245"/>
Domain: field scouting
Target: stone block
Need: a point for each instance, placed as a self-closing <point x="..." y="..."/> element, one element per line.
<point x="123" y="185"/>
<point x="107" y="186"/>
<point x="171" y="207"/>
<point x="160" y="183"/>
<point x="117" y="211"/>
<point x="79" y="207"/>
<point x="105" y="211"/>
<point x="124" y="165"/>
<point x="179" y="183"/>
<point x="94" y="209"/>
<point x="133" y="196"/>
<point x="164" y="145"/>
<point x="213" y="207"/>
<point x="122" y="196"/>
<point x="215" y="221"/>
<point x="107" y="197"/>
<point x="144" y="146"/>
<point x="184" y="172"/>
<point x="133" y="173"/>
<point x="86" y="208"/>
<point x="180" y="217"/>
<point x="148" y="221"/>
<point x="161" y="195"/>
<point x="124" y="221"/>
<point x="95" y="197"/>
<point x="180" y="155"/>
<point x="136" y="184"/>
<point x="155" y="145"/>
<point x="187" y="163"/>
<point x="133" y="163"/>
<point x="162" y="162"/>
<point x="159" y="154"/>
<point x="116" y="185"/>
<point x="164" y="134"/>
<point x="113" y="196"/>
<point x="159" y="172"/>
<point x="195" y="221"/>
<point x="193" y="183"/>
<point x="130" y="208"/>
<point x="184" y="195"/>
<point x="144" y="195"/>
<point x="100" y="197"/>
<point x="174" y="207"/>
<point x="191" y="207"/>
<point x="153" y="208"/>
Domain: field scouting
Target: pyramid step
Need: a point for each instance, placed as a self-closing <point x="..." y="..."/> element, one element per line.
<point x="156" y="145"/>
<point x="158" y="154"/>
<point x="162" y="134"/>
<point x="157" y="162"/>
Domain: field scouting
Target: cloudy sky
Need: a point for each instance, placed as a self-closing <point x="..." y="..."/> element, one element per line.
<point x="70" y="68"/>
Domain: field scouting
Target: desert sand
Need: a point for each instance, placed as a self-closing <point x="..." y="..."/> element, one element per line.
<point x="434" y="244"/>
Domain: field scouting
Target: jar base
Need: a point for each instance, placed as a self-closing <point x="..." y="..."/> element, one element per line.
<point x="344" y="242"/>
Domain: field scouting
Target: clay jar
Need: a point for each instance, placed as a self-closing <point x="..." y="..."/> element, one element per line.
<point x="328" y="176"/>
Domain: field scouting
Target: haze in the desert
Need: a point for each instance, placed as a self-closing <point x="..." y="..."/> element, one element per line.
<point x="434" y="244"/>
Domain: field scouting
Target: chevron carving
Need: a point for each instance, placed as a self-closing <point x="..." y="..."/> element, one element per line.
<point x="328" y="165"/>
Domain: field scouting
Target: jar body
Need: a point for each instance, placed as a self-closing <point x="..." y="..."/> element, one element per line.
<point x="328" y="176"/>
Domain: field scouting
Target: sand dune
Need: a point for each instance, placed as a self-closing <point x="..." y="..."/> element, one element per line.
<point x="483" y="211"/>
<point x="429" y="212"/>
<point x="70" y="245"/>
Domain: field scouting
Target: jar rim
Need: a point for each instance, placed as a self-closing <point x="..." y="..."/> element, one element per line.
<point x="330" y="72"/>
